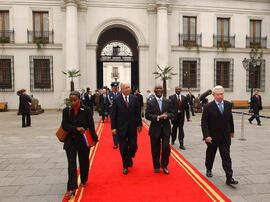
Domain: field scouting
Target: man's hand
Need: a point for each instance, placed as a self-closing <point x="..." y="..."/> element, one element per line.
<point x="81" y="130"/>
<point x="140" y="129"/>
<point x="114" y="131"/>
<point x="162" y="116"/>
<point x="232" y="135"/>
<point x="208" y="139"/>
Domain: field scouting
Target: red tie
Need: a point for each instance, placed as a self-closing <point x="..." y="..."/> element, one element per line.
<point x="258" y="100"/>
<point x="179" y="103"/>
<point x="126" y="101"/>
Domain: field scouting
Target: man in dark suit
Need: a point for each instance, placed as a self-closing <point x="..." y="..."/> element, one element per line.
<point x="256" y="105"/>
<point x="218" y="129"/>
<point x="24" y="107"/>
<point x="125" y="119"/>
<point x="159" y="111"/>
<point x="180" y="106"/>
<point x="190" y="98"/>
<point x="89" y="100"/>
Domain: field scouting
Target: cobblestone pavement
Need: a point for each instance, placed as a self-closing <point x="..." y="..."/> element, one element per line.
<point x="33" y="165"/>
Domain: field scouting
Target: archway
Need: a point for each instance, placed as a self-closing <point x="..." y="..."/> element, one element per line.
<point x="112" y="48"/>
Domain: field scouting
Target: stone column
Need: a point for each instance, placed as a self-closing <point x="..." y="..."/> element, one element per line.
<point x="162" y="33"/>
<point x="72" y="47"/>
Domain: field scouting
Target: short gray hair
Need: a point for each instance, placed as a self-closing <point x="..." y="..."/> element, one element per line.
<point x="123" y="83"/>
<point x="218" y="87"/>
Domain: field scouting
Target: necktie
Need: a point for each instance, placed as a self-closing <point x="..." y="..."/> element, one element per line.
<point x="220" y="108"/>
<point x="126" y="101"/>
<point x="160" y="104"/>
<point x="258" y="100"/>
<point x="179" y="103"/>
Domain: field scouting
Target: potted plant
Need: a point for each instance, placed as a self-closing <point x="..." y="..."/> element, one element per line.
<point x="39" y="42"/>
<point x="164" y="74"/>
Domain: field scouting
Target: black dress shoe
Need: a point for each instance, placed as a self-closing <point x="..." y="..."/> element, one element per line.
<point x="156" y="170"/>
<point x="182" y="147"/>
<point x="259" y="124"/>
<point x="166" y="171"/>
<point x="125" y="171"/>
<point x="230" y="181"/>
<point x="209" y="173"/>
<point x="250" y="121"/>
<point x="70" y="193"/>
<point x="83" y="184"/>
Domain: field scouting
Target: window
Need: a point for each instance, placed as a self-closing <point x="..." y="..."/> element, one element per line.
<point x="6" y="73"/>
<point x="224" y="73"/>
<point x="4" y="26"/>
<point x="223" y="30"/>
<point x="41" y="73"/>
<point x="256" y="79"/>
<point x="41" y="25"/>
<point x="189" y="29"/>
<point x="255" y="33"/>
<point x="189" y="73"/>
<point x="115" y="72"/>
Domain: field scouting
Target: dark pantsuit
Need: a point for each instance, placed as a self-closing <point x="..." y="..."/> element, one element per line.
<point x="178" y="123"/>
<point x="224" y="151"/>
<point x="83" y="154"/>
<point x="128" y="148"/>
<point x="28" y="119"/>
<point x="156" y="144"/>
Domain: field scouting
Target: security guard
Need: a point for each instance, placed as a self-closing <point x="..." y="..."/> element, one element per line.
<point x="111" y="96"/>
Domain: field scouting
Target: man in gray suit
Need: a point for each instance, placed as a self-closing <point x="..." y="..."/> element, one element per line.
<point x="159" y="111"/>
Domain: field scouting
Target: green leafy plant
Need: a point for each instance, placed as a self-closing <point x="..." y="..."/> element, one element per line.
<point x="164" y="74"/>
<point x="3" y="39"/>
<point x="188" y="45"/>
<point x="72" y="73"/>
<point x="39" y="42"/>
<point x="198" y="48"/>
<point x="67" y="102"/>
<point x="224" y="46"/>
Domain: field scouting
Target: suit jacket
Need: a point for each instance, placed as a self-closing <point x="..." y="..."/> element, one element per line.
<point x="89" y="102"/>
<point x="216" y="125"/>
<point x="254" y="104"/>
<point x="153" y="111"/>
<point x="83" y="119"/>
<point x="184" y="106"/>
<point x="126" y="119"/>
<point x="103" y="104"/>
<point x="190" y="98"/>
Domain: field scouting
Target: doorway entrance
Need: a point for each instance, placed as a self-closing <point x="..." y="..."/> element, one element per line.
<point x="117" y="58"/>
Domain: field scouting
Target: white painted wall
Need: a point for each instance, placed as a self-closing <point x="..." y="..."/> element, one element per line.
<point x="139" y="17"/>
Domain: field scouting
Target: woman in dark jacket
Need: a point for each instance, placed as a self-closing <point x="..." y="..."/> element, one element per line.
<point x="77" y="119"/>
<point x="24" y="107"/>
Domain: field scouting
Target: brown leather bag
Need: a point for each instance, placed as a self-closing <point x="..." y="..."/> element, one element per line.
<point x="61" y="134"/>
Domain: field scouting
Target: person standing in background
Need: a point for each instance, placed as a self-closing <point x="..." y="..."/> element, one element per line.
<point x="24" y="107"/>
<point x="190" y="98"/>
<point x="256" y="105"/>
<point x="180" y="105"/>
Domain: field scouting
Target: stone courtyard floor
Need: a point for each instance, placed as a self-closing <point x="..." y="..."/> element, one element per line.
<point x="33" y="165"/>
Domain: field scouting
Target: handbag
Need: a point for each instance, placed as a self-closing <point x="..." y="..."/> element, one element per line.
<point x="61" y="134"/>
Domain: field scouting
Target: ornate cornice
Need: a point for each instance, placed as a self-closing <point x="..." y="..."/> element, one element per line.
<point x="81" y="4"/>
<point x="160" y="4"/>
<point x="163" y="3"/>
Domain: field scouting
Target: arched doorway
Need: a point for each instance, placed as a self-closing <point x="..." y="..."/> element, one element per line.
<point x="117" y="47"/>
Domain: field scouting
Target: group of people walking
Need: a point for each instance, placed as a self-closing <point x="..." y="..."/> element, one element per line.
<point x="125" y="111"/>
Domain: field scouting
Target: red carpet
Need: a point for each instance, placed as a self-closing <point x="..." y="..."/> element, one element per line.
<point x="107" y="183"/>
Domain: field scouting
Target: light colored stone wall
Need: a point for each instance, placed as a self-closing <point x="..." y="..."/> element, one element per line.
<point x="140" y="18"/>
